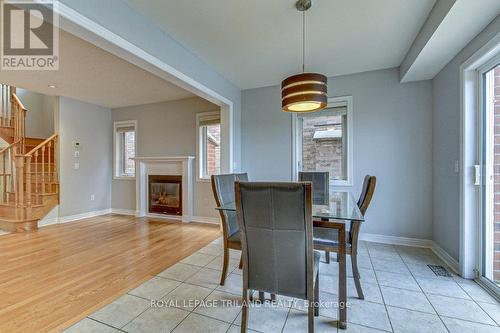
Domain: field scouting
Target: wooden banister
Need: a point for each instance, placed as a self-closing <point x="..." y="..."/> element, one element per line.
<point x="44" y="143"/>
<point x="18" y="101"/>
<point x="12" y="111"/>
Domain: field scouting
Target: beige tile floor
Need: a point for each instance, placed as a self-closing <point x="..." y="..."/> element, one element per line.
<point x="401" y="295"/>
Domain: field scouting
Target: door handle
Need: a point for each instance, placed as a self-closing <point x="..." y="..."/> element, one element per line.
<point x="477" y="175"/>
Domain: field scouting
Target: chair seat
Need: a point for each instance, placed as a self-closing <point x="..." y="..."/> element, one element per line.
<point x="328" y="237"/>
<point x="235" y="238"/>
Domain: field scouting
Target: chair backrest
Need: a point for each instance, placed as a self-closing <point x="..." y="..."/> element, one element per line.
<point x="223" y="189"/>
<point x="366" y="193"/>
<point x="363" y="202"/>
<point x="320" y="185"/>
<point x="276" y="237"/>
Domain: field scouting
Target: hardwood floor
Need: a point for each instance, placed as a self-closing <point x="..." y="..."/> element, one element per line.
<point x="53" y="277"/>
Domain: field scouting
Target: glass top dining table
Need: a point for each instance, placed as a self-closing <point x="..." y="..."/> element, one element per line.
<point x="337" y="206"/>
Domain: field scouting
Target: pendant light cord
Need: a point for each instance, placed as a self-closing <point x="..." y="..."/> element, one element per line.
<point x="303" y="41"/>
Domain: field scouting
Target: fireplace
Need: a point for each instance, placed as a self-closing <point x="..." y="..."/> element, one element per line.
<point x="179" y="166"/>
<point x="165" y="194"/>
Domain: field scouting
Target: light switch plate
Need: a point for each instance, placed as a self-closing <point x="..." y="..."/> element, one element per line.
<point x="76" y="166"/>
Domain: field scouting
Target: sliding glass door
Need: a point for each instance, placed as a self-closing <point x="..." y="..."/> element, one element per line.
<point x="488" y="176"/>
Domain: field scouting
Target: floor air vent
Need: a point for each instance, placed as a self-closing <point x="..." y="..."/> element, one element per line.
<point x="439" y="270"/>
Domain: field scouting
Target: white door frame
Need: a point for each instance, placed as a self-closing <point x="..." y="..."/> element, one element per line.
<point x="470" y="142"/>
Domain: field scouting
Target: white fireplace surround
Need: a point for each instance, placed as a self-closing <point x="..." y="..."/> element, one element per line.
<point x="165" y="166"/>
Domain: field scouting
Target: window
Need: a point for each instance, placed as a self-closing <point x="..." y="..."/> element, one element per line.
<point x="125" y="148"/>
<point x="209" y="144"/>
<point x="323" y="141"/>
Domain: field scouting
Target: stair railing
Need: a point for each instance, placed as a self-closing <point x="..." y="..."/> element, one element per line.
<point x="40" y="172"/>
<point x="8" y="171"/>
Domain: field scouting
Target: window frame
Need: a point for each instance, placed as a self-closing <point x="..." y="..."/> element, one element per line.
<point x="342" y="101"/>
<point x="118" y="149"/>
<point x="201" y="145"/>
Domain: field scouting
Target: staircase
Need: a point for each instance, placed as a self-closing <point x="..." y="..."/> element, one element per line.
<point x="29" y="186"/>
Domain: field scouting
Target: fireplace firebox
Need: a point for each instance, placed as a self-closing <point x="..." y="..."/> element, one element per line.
<point x="165" y="194"/>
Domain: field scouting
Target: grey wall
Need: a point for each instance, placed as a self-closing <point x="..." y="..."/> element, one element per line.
<point x="446" y="144"/>
<point x="392" y="140"/>
<point x="90" y="125"/>
<point x="40" y="114"/>
<point x="165" y="129"/>
<point x="118" y="17"/>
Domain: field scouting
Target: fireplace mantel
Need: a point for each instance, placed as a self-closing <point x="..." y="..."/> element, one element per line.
<point x="164" y="165"/>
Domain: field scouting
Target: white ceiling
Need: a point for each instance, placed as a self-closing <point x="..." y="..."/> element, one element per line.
<point x="91" y="74"/>
<point x="258" y="43"/>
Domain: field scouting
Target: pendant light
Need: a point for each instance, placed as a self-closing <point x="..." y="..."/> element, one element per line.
<point x="304" y="92"/>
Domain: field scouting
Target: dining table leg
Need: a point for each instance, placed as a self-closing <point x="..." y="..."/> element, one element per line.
<point x="342" y="279"/>
<point x="341" y="255"/>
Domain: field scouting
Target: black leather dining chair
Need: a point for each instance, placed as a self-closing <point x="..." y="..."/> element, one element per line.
<point x="223" y="190"/>
<point x="277" y="243"/>
<point x="320" y="185"/>
<point x="327" y="239"/>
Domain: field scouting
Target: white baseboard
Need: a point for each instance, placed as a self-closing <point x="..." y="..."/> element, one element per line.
<point x="51" y="218"/>
<point x="206" y="219"/>
<point x="199" y="219"/>
<point x="71" y="218"/>
<point x="120" y="211"/>
<point x="395" y="240"/>
<point x="47" y="221"/>
<point x="164" y="216"/>
<point x="426" y="243"/>
<point x="445" y="256"/>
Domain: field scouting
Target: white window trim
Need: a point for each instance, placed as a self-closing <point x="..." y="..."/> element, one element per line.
<point x="347" y="102"/>
<point x="116" y="167"/>
<point x="199" y="143"/>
